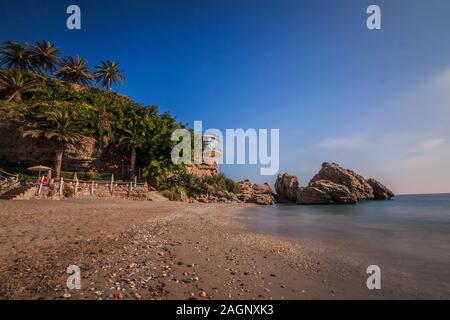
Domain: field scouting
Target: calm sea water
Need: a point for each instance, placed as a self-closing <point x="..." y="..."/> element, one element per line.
<point x="409" y="237"/>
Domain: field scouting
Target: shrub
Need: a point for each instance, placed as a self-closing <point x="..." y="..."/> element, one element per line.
<point x="221" y="183"/>
<point x="232" y="186"/>
<point x="173" y="194"/>
<point x="86" y="176"/>
<point x="192" y="185"/>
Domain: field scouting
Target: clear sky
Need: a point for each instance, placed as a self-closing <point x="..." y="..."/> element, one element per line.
<point x="375" y="101"/>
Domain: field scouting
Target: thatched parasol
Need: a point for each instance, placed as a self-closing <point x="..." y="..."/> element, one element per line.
<point x="40" y="169"/>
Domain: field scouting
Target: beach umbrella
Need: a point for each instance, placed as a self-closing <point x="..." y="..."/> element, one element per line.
<point x="39" y="169"/>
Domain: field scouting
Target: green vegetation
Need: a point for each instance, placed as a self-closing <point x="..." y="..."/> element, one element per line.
<point x="60" y="127"/>
<point x="54" y="99"/>
<point x="45" y="57"/>
<point x="17" y="56"/>
<point x="15" y="83"/>
<point x="184" y="184"/>
<point x="75" y="70"/>
<point x="107" y="73"/>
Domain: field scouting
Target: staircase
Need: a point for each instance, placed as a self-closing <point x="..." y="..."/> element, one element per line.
<point x="9" y="186"/>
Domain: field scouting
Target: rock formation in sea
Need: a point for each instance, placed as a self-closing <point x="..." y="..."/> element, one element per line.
<point x="325" y="192"/>
<point x="333" y="184"/>
<point x="380" y="191"/>
<point x="355" y="183"/>
<point x="286" y="188"/>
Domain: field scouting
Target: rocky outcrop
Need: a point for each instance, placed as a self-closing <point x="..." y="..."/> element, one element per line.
<point x="263" y="194"/>
<point x="286" y="187"/>
<point x="202" y="170"/>
<point x="325" y="192"/>
<point x="257" y="193"/>
<point x="332" y="185"/>
<point x="355" y="183"/>
<point x="380" y="191"/>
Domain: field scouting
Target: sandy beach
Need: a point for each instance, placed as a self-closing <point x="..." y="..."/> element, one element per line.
<point x="161" y="250"/>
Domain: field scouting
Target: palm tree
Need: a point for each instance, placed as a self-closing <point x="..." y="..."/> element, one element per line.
<point x="59" y="127"/>
<point x="133" y="139"/>
<point x="15" y="83"/>
<point x="75" y="70"/>
<point x="15" y="55"/>
<point x="105" y="131"/>
<point x="108" y="73"/>
<point x="45" y="56"/>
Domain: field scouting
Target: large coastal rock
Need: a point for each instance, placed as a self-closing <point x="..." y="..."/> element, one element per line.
<point x="332" y="185"/>
<point x="355" y="183"/>
<point x="256" y="193"/>
<point x="325" y="192"/>
<point x="380" y="191"/>
<point x="263" y="194"/>
<point x="286" y="188"/>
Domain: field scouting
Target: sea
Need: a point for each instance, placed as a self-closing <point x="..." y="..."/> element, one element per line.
<point x="408" y="237"/>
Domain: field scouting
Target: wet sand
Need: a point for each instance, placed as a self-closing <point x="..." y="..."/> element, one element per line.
<point x="162" y="250"/>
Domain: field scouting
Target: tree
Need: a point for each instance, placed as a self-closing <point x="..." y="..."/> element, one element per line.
<point x="15" y="83"/>
<point x="59" y="127"/>
<point x="15" y="55"/>
<point x="133" y="139"/>
<point x="75" y="70"/>
<point x="108" y="73"/>
<point x="45" y="56"/>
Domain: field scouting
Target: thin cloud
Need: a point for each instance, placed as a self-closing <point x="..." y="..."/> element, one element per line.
<point x="342" y="142"/>
<point x="431" y="144"/>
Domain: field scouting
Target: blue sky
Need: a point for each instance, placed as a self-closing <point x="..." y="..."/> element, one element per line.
<point x="375" y="101"/>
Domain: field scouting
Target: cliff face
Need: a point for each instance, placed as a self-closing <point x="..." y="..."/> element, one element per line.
<point x="202" y="170"/>
<point x="14" y="149"/>
<point x="17" y="151"/>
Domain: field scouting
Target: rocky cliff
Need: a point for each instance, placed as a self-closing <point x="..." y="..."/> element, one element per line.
<point x="19" y="152"/>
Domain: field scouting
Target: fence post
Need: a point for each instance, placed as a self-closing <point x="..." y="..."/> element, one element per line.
<point x="112" y="184"/>
<point x="135" y="181"/>
<point x="76" y="183"/>
<point x="61" y="187"/>
<point x="92" y="188"/>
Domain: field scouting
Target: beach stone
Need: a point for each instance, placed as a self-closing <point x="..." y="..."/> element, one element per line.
<point x="380" y="191"/>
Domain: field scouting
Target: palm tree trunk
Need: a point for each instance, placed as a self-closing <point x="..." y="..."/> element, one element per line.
<point x="58" y="159"/>
<point x="16" y="96"/>
<point x="132" y="161"/>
